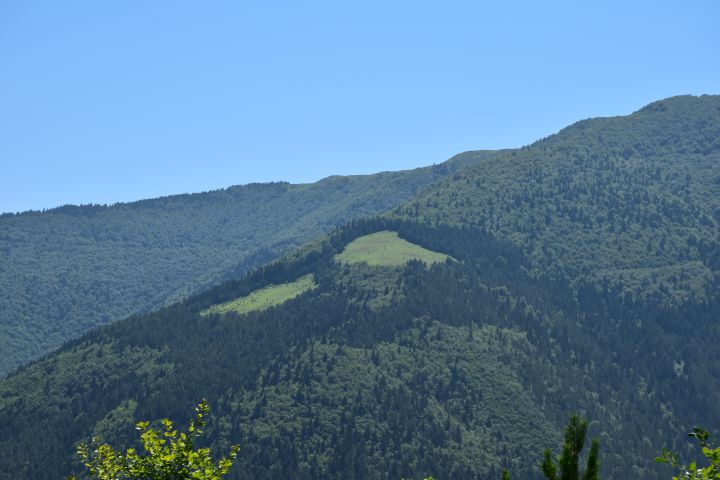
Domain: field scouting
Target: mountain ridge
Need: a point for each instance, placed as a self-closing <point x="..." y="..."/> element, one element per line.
<point x="72" y="268"/>
<point x="454" y="369"/>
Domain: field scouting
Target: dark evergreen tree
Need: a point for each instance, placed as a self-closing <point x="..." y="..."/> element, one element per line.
<point x="568" y="464"/>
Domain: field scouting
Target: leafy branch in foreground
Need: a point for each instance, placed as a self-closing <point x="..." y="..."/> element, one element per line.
<point x="692" y="471"/>
<point x="170" y="455"/>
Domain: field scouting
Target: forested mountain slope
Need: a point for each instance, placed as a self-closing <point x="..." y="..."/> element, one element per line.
<point x="453" y="368"/>
<point x="626" y="203"/>
<point x="67" y="270"/>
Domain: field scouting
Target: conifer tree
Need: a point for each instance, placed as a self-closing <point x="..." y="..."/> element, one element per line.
<point x="568" y="464"/>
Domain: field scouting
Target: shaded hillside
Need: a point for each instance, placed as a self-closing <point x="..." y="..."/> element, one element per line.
<point x="469" y="366"/>
<point x="454" y="369"/>
<point x="70" y="269"/>
<point x="323" y="377"/>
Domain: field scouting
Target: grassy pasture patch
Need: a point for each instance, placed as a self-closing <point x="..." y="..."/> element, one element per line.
<point x="386" y="249"/>
<point x="265" y="297"/>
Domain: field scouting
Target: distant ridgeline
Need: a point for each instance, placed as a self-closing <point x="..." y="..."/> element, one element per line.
<point x="449" y="337"/>
<point x="68" y="270"/>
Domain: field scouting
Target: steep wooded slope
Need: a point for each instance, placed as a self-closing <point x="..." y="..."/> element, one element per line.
<point x="73" y="268"/>
<point x="628" y="202"/>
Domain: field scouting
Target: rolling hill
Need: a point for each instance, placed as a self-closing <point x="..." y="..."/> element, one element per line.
<point x="450" y="336"/>
<point x="70" y="269"/>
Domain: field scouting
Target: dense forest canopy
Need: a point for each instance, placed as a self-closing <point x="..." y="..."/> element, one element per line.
<point x="67" y="270"/>
<point x="625" y="202"/>
<point x="582" y="276"/>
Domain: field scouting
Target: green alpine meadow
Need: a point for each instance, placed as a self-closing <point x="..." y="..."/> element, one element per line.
<point x="550" y="311"/>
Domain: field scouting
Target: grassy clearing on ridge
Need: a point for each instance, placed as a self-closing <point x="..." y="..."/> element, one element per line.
<point x="386" y="249"/>
<point x="265" y="297"/>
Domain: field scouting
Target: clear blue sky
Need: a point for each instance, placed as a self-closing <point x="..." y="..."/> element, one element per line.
<point x="105" y="101"/>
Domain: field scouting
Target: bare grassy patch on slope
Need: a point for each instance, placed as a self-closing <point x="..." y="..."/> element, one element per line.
<point x="387" y="249"/>
<point x="265" y="297"/>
